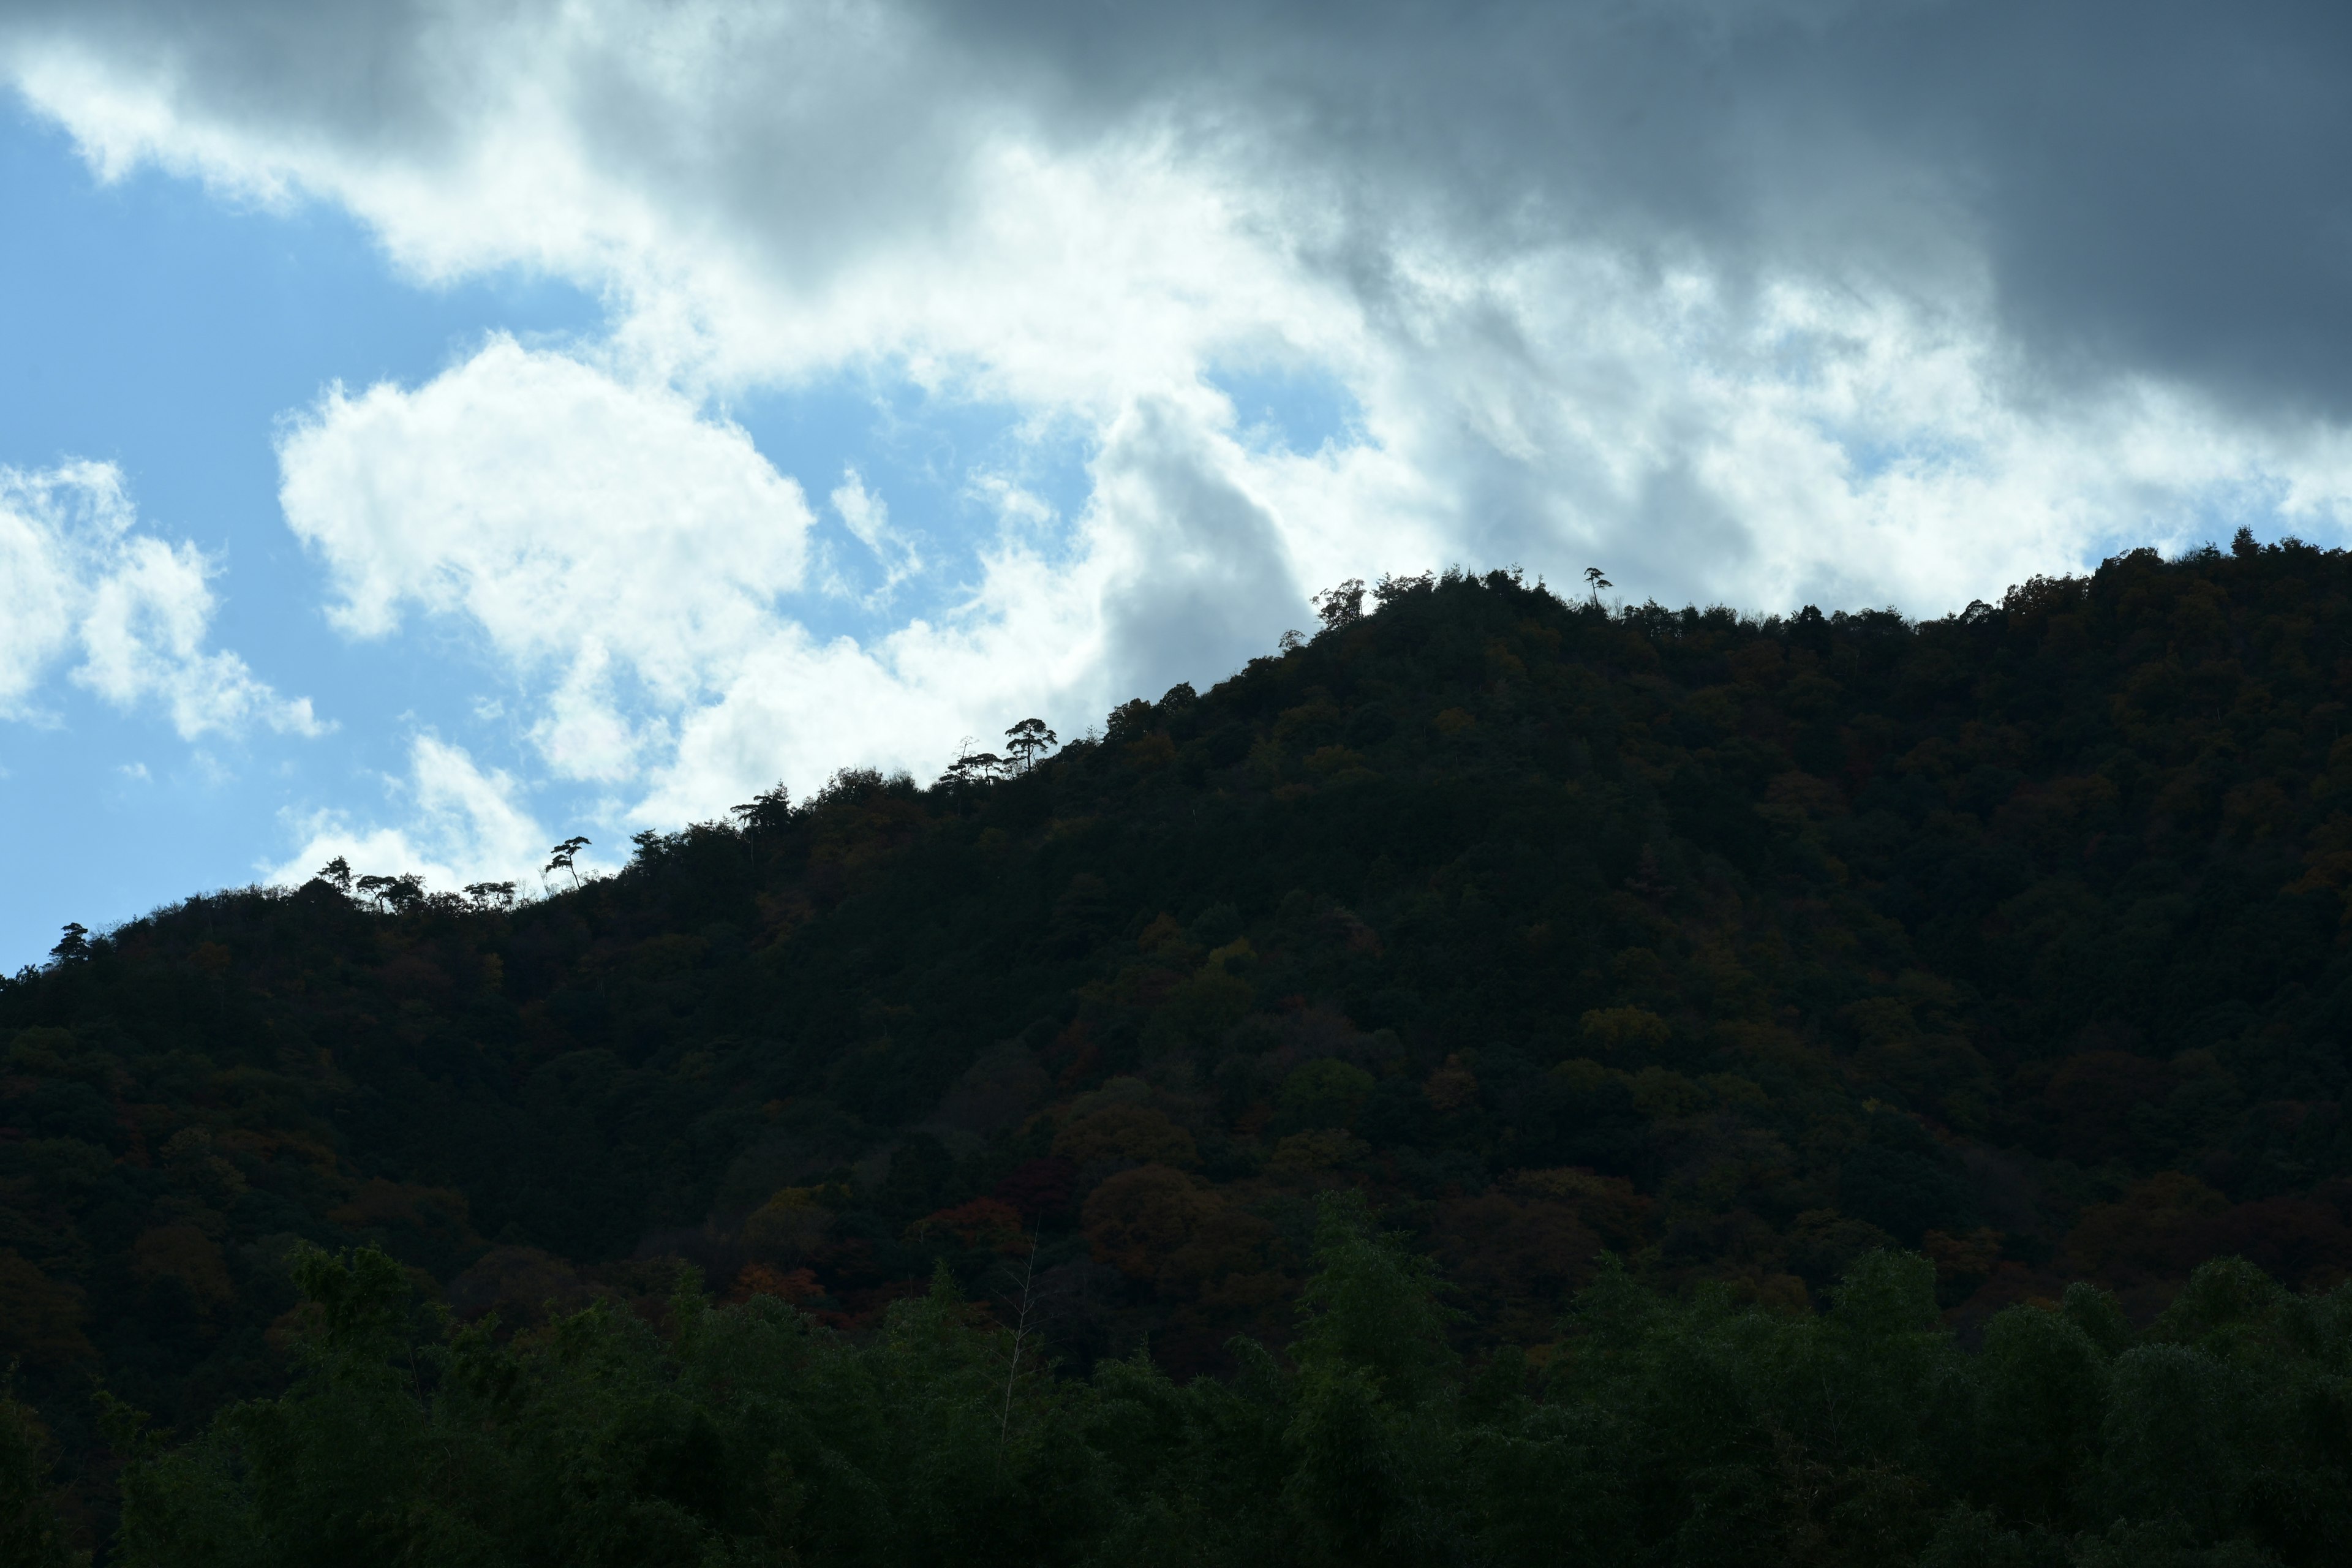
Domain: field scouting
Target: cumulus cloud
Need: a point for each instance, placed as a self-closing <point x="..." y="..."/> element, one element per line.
<point x="597" y="528"/>
<point x="1763" y="303"/>
<point x="1173" y="565"/>
<point x="80" y="581"/>
<point x="1800" y="443"/>
<point x="454" y="822"/>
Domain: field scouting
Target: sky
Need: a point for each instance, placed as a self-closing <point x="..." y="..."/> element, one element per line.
<point x="428" y="431"/>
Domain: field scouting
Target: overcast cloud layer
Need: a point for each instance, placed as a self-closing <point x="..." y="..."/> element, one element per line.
<point x="1760" y="303"/>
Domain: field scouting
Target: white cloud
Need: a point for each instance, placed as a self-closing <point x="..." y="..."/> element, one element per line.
<point x="80" y="580"/>
<point x="1792" y="443"/>
<point x="456" y="821"/>
<point x="602" y="531"/>
<point x="1175" y="567"/>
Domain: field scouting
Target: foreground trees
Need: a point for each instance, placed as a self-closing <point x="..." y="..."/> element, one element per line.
<point x="1689" y="1431"/>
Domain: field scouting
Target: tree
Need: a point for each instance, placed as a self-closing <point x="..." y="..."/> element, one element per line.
<point x="1595" y="582"/>
<point x="1131" y="719"/>
<point x="561" y="858"/>
<point x="395" y="894"/>
<point x="1342" y="606"/>
<point x="74" y="946"/>
<point x="492" y="895"/>
<point x="29" y="1534"/>
<point x="1028" y="741"/>
<point x="1389" y="590"/>
<point x="766" y="812"/>
<point x="1372" y="1304"/>
<point x="973" y="767"/>
<point x="337" y="874"/>
<point x="1371" y="1349"/>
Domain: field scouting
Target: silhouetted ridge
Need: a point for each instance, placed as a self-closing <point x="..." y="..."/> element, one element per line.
<point x="1743" y="950"/>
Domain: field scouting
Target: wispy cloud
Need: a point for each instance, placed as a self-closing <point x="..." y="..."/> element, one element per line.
<point x="868" y="516"/>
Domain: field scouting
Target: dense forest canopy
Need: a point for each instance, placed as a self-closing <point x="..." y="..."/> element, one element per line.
<point x="1956" y="961"/>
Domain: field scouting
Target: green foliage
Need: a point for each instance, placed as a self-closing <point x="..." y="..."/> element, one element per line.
<point x="1671" y="1431"/>
<point x="31" y="1535"/>
<point x="1371" y="1310"/>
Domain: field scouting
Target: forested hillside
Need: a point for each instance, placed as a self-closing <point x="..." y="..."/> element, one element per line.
<point x="1748" y="951"/>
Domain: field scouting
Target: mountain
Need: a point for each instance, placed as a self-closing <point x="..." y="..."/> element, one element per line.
<point x="1739" y="948"/>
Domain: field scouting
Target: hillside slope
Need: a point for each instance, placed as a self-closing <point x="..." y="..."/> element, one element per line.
<point x="1737" y="948"/>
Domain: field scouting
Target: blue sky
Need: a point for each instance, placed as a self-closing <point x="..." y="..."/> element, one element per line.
<point x="155" y="326"/>
<point x="595" y="412"/>
<point x="151" y="326"/>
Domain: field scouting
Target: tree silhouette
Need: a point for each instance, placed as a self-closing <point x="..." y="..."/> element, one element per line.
<point x="1595" y="582"/>
<point x="490" y="895"/>
<point x="769" y="811"/>
<point x="766" y="812"/>
<point x="394" y="894"/>
<point x="1027" y="741"/>
<point x="975" y="767"/>
<point x="1391" y="588"/>
<point x="1340" y="605"/>
<point x="337" y="874"/>
<point x="561" y="858"/>
<point x="972" y="767"/>
<point x="74" y="946"/>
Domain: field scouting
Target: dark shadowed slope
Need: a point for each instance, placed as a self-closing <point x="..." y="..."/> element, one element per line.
<point x="1738" y="948"/>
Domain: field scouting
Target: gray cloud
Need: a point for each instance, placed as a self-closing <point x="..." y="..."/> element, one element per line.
<point x="1210" y="576"/>
<point x="2152" y="186"/>
<point x="2146" y="185"/>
